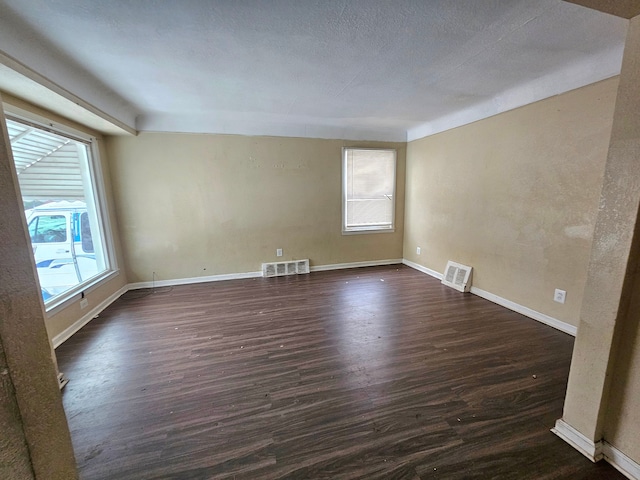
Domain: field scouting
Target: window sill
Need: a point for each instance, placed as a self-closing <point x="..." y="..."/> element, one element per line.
<point x="368" y="230"/>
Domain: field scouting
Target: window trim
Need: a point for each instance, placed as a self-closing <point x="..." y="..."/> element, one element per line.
<point x="374" y="228"/>
<point x="97" y="178"/>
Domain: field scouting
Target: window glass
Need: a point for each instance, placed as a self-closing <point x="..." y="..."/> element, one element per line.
<point x="48" y="229"/>
<point x="85" y="232"/>
<point x="56" y="174"/>
<point x="368" y="190"/>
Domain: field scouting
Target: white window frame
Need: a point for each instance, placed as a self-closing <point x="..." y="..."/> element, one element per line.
<point x="347" y="230"/>
<point x="60" y="302"/>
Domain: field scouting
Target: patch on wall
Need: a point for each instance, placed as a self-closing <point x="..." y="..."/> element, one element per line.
<point x="579" y="231"/>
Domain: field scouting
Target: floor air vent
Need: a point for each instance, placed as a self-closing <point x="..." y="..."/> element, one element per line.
<point x="457" y="276"/>
<point x="279" y="269"/>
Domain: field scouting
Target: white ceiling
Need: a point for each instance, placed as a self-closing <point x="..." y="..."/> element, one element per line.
<point x="356" y="69"/>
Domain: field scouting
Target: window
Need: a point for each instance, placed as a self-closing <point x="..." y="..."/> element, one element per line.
<point x="368" y="190"/>
<point x="58" y="177"/>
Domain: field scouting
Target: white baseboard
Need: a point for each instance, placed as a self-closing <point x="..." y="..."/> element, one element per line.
<point x="527" y="312"/>
<point x="596" y="451"/>
<point x="189" y="281"/>
<point x="622" y="463"/>
<point x="341" y="266"/>
<point x="422" y="269"/>
<point x="87" y="317"/>
<point x="516" y="307"/>
<point x="590" y="449"/>
<point x="236" y="276"/>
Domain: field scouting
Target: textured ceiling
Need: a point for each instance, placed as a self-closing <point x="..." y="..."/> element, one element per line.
<point x="361" y="69"/>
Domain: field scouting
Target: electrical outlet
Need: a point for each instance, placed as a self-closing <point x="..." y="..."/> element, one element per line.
<point x="279" y="252"/>
<point x="84" y="303"/>
<point x="559" y="296"/>
<point x="418" y="250"/>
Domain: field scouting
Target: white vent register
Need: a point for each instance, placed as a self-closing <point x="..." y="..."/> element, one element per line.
<point x="457" y="276"/>
<point x="280" y="269"/>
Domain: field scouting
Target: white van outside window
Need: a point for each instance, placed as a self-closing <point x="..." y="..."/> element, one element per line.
<point x="59" y="182"/>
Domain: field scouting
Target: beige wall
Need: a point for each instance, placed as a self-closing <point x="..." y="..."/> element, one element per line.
<point x="622" y="424"/>
<point x="603" y="389"/>
<point x="515" y="196"/>
<point x="200" y="205"/>
<point x="67" y="316"/>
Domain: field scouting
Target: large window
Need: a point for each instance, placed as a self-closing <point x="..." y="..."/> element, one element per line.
<point x="368" y="190"/>
<point x="59" y="180"/>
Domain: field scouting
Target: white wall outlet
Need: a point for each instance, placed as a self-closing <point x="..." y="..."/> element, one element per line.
<point x="279" y="252"/>
<point x="559" y="296"/>
<point x="418" y="250"/>
<point x="84" y="303"/>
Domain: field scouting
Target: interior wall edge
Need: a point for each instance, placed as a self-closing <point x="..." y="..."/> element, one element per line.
<point x="596" y="451"/>
<point x="257" y="274"/>
<point x="526" y="311"/>
<point x="66" y="334"/>
<point x="620" y="461"/>
<point x="194" y="280"/>
<point x="590" y="449"/>
<point x="503" y="302"/>
<point x="422" y="269"/>
<point x="343" y="266"/>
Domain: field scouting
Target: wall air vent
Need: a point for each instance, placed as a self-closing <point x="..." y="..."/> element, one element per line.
<point x="457" y="276"/>
<point x="280" y="269"/>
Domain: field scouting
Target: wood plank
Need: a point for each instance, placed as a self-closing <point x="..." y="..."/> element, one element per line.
<point x="370" y="373"/>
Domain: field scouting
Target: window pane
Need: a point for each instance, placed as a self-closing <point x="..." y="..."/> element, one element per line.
<point x="56" y="183"/>
<point x="85" y="233"/>
<point x="50" y="229"/>
<point x="371" y="174"/>
<point x="369" y="189"/>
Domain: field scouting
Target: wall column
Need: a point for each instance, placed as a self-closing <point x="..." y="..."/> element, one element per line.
<point x="36" y="442"/>
<point x="613" y="268"/>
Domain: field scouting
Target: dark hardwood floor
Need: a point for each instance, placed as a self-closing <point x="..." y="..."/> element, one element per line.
<point x="375" y="373"/>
